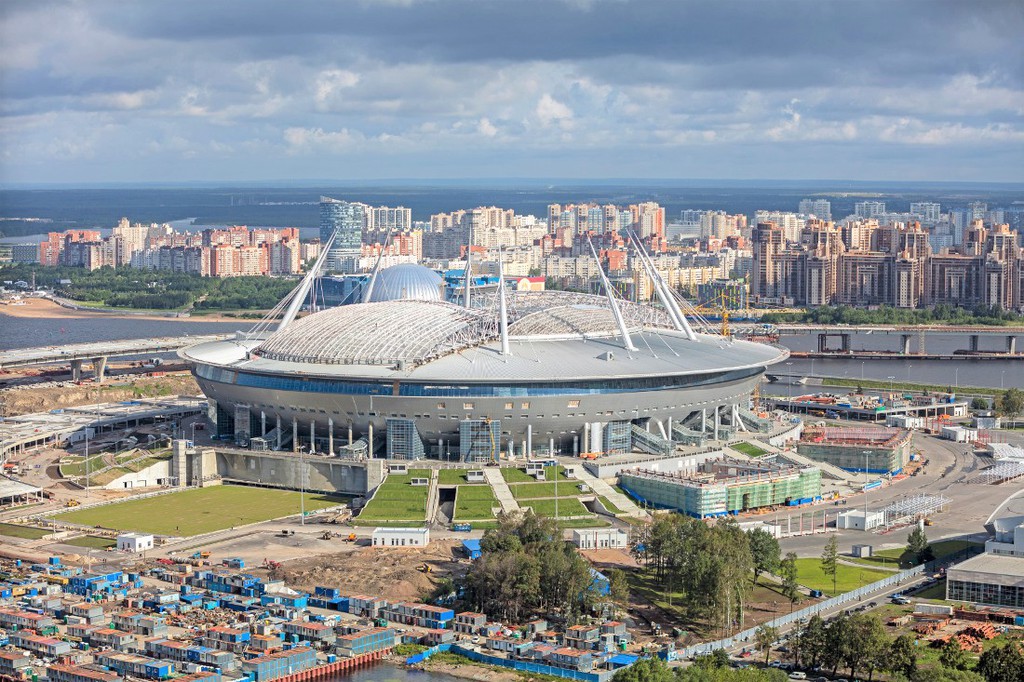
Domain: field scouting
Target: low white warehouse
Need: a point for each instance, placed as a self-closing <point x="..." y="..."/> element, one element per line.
<point x="401" y="537"/>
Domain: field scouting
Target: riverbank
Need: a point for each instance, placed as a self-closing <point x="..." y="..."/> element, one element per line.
<point x="445" y="665"/>
<point x="44" y="308"/>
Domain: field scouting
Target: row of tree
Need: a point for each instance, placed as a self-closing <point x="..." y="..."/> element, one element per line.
<point x="939" y="314"/>
<point x="860" y="644"/>
<point x="526" y="568"/>
<point x="709" y="568"/>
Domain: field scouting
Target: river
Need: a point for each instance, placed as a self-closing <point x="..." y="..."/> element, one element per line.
<point x="29" y="332"/>
<point x="386" y="672"/>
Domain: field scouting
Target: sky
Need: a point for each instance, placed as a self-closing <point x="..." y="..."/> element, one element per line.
<point x="95" y="91"/>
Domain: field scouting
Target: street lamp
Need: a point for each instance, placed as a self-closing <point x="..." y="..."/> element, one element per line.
<point x="1001" y="376"/>
<point x="790" y="382"/>
<point x="867" y="453"/>
<point x="862" y="370"/>
<point x="908" y="371"/>
<point x="890" y="378"/>
<point x="956" y="377"/>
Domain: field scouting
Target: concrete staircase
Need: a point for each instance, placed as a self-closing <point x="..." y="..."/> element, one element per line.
<point x="501" y="489"/>
<point x="826" y="469"/>
<point x="432" y="496"/>
<point x="606" y="491"/>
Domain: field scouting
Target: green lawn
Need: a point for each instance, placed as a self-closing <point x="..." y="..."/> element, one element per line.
<point x="26" y="532"/>
<point x="474" y="502"/>
<point x="810" y="575"/>
<point x="609" y="506"/>
<point x="898" y="557"/>
<point x="90" y="541"/>
<point x="516" y="475"/>
<point x="76" y="465"/>
<point x="569" y="506"/>
<point x="748" y="449"/>
<point x="197" y="511"/>
<point x="535" y="491"/>
<point x="454" y="477"/>
<point x="398" y="501"/>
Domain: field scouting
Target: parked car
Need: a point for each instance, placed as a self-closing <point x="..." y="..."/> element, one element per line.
<point x="798" y="675"/>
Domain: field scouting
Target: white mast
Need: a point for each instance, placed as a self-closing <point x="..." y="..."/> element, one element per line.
<point x="466" y="300"/>
<point x="376" y="267"/>
<point x="627" y="340"/>
<point x="307" y="282"/>
<point x="667" y="299"/>
<point x="502" y="307"/>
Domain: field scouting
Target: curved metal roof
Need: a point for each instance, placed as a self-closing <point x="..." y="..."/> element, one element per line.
<point x="385" y="333"/>
<point x="407" y="281"/>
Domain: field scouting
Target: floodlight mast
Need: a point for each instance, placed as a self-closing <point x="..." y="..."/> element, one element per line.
<point x="667" y="300"/>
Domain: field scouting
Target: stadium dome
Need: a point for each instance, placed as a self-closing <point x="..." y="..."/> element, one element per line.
<point x="407" y="281"/>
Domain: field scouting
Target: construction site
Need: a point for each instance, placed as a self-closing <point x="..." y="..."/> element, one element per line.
<point x="725" y="486"/>
<point x="875" y="450"/>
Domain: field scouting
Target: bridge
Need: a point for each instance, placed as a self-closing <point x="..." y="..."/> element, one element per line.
<point x="843" y="333"/>
<point x="95" y="352"/>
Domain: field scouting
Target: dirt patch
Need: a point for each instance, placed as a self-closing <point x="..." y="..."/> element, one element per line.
<point x="26" y="401"/>
<point x="388" y="572"/>
<point x="610" y="558"/>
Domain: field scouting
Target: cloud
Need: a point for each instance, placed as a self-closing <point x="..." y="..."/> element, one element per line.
<point x="591" y="86"/>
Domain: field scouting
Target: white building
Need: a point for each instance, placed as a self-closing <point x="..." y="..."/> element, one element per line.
<point x="600" y="538"/>
<point x="401" y="537"/>
<point x="997" y="576"/>
<point x="134" y="542"/>
<point x="855" y="520"/>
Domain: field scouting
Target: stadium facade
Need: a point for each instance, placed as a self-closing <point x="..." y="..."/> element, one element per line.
<point x="407" y="375"/>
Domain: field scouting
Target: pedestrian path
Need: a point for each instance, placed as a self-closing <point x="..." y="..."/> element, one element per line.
<point x="501" y="490"/>
<point x="609" y="493"/>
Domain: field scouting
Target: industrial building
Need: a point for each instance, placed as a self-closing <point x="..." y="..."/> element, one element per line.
<point x="991" y="579"/>
<point x="877" y="450"/>
<point x="600" y="538"/>
<point x="405" y="374"/>
<point x="134" y="542"/>
<point x="725" y="486"/>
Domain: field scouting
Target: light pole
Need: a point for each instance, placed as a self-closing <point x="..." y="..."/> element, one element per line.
<point x="790" y="364"/>
<point x="908" y="372"/>
<point x="862" y="370"/>
<point x="956" y="377"/>
<point x="890" y="378"/>
<point x="302" y="488"/>
<point x="866" y="454"/>
<point x="1001" y="376"/>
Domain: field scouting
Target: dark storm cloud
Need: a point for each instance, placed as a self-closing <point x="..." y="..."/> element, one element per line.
<point x="384" y="84"/>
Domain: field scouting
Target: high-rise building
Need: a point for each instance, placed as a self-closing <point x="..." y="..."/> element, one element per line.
<point x="819" y="208"/>
<point x="347" y="219"/>
<point x="927" y="211"/>
<point x="869" y="209"/>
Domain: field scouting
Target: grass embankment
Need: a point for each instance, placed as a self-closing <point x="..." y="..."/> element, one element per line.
<point x="900" y="558"/>
<point x="610" y="506"/>
<point x="899" y="387"/>
<point x="203" y="510"/>
<point x="474" y="502"/>
<point x="25" y="532"/>
<point x="538" y="491"/>
<point x="515" y="475"/>
<point x="397" y="502"/>
<point x="454" y="477"/>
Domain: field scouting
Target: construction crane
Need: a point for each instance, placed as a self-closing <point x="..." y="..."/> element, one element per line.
<point x="721" y="305"/>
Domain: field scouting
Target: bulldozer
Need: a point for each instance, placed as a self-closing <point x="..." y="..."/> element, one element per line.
<point x="424" y="568"/>
<point x="72" y="503"/>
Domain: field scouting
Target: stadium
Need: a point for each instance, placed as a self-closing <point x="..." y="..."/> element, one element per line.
<point x="406" y="374"/>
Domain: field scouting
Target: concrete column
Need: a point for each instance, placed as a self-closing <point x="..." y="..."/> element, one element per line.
<point x="905" y="344"/>
<point x="703" y="420"/>
<point x="369" y="441"/>
<point x="76" y="370"/>
<point x="1011" y="344"/>
<point x="99" y="367"/>
<point x="717" y="421"/>
<point x="330" y="436"/>
<point x="529" y="439"/>
<point x="278" y="431"/>
<point x="575" y="445"/>
<point x="312" y="436"/>
<point x="586" y="437"/>
<point x="295" y="434"/>
<point x="350" y="434"/>
<point x="263" y="423"/>
<point x="668" y="425"/>
<point x="974" y="342"/>
<point x="551" y="447"/>
<point x="661" y="428"/>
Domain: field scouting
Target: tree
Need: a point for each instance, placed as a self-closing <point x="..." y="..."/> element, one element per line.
<point x="618" y="587"/>
<point x="979" y="403"/>
<point x="902" y="656"/>
<point x="813" y="640"/>
<point x="830" y="559"/>
<point x="764" y="637"/>
<point x="917" y="545"/>
<point x="645" y="670"/>
<point x="764" y="550"/>
<point x="1011" y="402"/>
<point x="953" y="656"/>
<point x="717" y="659"/>
<point x="1002" y="664"/>
<point x="871" y="642"/>
<point x="788" y="573"/>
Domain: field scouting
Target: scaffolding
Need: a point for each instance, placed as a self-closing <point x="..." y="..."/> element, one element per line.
<point x="650" y="443"/>
<point x="403" y="440"/>
<point x="617" y="437"/>
<point x="479" y="440"/>
<point x="754" y="422"/>
<point x="914" y="508"/>
<point x="1002" y="472"/>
